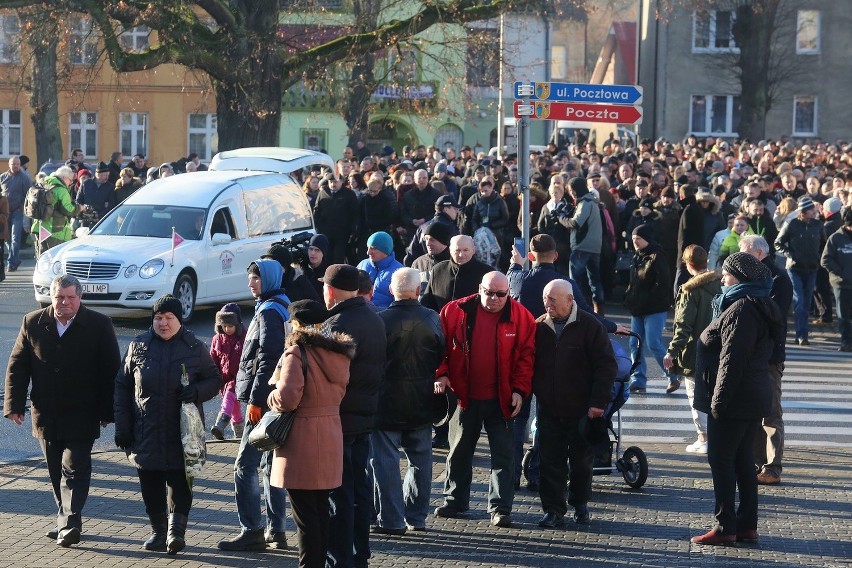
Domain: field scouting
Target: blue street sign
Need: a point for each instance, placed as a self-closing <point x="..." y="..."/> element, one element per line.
<point x="580" y="93"/>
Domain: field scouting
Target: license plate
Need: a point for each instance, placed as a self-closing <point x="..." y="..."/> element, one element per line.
<point x="96" y="288"/>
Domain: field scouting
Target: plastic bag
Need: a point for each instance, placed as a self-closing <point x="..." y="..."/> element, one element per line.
<point x="192" y="434"/>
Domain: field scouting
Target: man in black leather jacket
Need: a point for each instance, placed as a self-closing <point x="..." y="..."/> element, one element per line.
<point x="415" y="348"/>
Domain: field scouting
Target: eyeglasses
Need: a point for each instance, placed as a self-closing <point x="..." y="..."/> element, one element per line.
<point x="496" y="293"/>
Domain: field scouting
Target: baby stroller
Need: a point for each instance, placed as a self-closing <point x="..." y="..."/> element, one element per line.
<point x="633" y="464"/>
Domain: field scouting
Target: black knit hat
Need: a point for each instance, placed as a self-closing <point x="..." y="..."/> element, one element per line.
<point x="308" y="312"/>
<point x="168" y="303"/>
<point x="745" y="268"/>
<point x="440" y="232"/>
<point x="279" y="253"/>
<point x="645" y="231"/>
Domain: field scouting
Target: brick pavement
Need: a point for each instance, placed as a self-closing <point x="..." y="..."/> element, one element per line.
<point x="805" y="522"/>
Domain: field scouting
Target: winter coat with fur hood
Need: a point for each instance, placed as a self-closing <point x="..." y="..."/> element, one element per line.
<point x="312" y="456"/>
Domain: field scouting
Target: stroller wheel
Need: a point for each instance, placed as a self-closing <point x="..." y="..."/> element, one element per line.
<point x="633" y="465"/>
<point x="525" y="463"/>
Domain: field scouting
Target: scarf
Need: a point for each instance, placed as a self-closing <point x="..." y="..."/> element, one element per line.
<point x="730" y="294"/>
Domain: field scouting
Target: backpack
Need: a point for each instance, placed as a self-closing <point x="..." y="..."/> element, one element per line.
<point x="39" y="203"/>
<point x="487" y="247"/>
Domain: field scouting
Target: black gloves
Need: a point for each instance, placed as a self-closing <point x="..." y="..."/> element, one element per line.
<point x="123" y="441"/>
<point x="188" y="394"/>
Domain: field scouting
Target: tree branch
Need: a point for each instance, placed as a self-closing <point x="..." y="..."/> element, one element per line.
<point x="457" y="12"/>
<point x="220" y="12"/>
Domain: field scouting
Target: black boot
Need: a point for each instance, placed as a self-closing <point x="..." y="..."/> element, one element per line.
<point x="177" y="532"/>
<point x="159" y="526"/>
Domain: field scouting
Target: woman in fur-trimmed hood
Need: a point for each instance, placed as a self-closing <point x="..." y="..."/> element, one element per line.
<point x="310" y="463"/>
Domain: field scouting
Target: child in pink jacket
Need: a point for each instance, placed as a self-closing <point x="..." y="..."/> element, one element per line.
<point x="226" y="349"/>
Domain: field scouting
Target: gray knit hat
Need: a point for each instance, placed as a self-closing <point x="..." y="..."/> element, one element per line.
<point x="746" y="268"/>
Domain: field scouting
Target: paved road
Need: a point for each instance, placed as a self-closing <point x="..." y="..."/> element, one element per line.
<point x="804" y="522"/>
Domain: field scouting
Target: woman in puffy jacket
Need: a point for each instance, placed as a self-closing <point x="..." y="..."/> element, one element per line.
<point x="148" y="397"/>
<point x="648" y="298"/>
<point x="310" y="463"/>
<point x="733" y="388"/>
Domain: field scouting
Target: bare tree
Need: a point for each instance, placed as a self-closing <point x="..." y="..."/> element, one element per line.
<point x="761" y="61"/>
<point x="236" y="44"/>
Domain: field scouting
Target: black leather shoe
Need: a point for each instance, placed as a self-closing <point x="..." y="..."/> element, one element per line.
<point x="245" y="541"/>
<point x="52" y="534"/>
<point x="447" y="512"/>
<point x="581" y="515"/>
<point x="376" y="529"/>
<point x="551" y="521"/>
<point x="276" y="539"/>
<point x="68" y="537"/>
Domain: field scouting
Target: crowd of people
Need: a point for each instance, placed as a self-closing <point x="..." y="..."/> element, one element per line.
<point x="413" y="310"/>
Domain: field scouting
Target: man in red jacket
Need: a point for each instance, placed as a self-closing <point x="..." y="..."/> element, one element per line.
<point x="488" y="365"/>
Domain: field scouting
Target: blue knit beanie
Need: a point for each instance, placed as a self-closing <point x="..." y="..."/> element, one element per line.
<point x="381" y="241"/>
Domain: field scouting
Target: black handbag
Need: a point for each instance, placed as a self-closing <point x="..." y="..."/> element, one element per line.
<point x="273" y="427"/>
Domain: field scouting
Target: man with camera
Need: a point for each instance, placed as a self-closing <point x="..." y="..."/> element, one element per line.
<point x="291" y="254"/>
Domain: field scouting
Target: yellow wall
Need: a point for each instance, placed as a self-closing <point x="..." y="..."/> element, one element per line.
<point x="168" y="94"/>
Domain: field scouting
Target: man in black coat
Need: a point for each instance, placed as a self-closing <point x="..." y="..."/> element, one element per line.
<point x="70" y="355"/>
<point x="455" y="278"/>
<point x="574" y="372"/>
<point x="418" y="204"/>
<point x="769" y="442"/>
<point x="415" y="348"/>
<point x="352" y="503"/>
<point x="336" y="216"/>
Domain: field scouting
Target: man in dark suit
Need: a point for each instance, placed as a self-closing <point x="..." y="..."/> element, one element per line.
<point x="70" y="355"/>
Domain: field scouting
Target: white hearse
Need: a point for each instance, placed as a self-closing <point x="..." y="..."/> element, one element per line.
<point x="223" y="219"/>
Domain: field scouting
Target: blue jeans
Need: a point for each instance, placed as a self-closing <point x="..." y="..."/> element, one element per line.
<point x="465" y="427"/>
<point x="803" y="295"/>
<point x="247" y="490"/>
<point x="649" y="328"/>
<point x="586" y="271"/>
<point x="16" y="232"/>
<point x="843" y="301"/>
<point x="401" y="502"/>
<point x="520" y="435"/>
<point x="351" y="507"/>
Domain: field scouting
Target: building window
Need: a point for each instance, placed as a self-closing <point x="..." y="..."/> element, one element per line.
<point x="10" y="132"/>
<point x="82" y="42"/>
<point x="449" y="136"/>
<point x="10" y="39"/>
<point x="807" y="31"/>
<point x="403" y="65"/>
<point x="558" y="62"/>
<point x="133" y="127"/>
<point x="804" y="116"/>
<point x="483" y="57"/>
<point x="83" y="132"/>
<point x="712" y="31"/>
<point x="314" y="138"/>
<point x="135" y="39"/>
<point x="714" y="115"/>
<point x="203" y="135"/>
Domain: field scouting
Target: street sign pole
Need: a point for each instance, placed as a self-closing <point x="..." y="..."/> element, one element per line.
<point x="524" y="169"/>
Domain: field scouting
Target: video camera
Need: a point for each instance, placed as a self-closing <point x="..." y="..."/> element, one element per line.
<point x="297" y="245"/>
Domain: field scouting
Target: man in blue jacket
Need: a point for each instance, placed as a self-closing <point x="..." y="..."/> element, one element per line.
<point x="263" y="347"/>
<point x="380" y="265"/>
